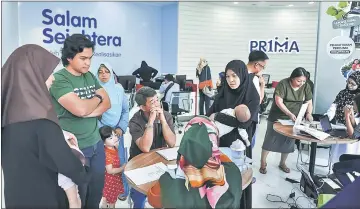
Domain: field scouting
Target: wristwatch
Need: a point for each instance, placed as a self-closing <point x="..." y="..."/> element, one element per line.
<point x="149" y="125"/>
<point x="98" y="96"/>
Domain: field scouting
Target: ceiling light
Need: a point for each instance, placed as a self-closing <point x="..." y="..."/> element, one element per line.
<point x="236" y="2"/>
<point x="290" y="5"/>
<point x="311" y="2"/>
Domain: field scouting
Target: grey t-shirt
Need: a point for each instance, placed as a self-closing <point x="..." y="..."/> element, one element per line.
<point x="137" y="129"/>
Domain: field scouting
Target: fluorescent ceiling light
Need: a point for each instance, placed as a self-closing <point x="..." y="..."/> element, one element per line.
<point x="311" y="2"/>
<point x="290" y="5"/>
<point x="236" y="2"/>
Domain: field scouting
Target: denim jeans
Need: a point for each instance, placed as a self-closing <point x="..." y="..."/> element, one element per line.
<point x="123" y="156"/>
<point x="254" y="137"/>
<point x="95" y="160"/>
<point x="138" y="198"/>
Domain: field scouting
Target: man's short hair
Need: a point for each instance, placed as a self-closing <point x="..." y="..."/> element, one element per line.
<point x="169" y="77"/>
<point x="256" y="56"/>
<point x="144" y="93"/>
<point x="73" y="45"/>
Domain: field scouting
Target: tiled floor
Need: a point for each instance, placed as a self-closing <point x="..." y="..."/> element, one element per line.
<point x="274" y="181"/>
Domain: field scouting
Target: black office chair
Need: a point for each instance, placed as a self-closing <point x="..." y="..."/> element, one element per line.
<point x="180" y="103"/>
<point x="267" y="80"/>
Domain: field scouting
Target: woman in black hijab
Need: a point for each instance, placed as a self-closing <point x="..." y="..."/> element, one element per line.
<point x="238" y="89"/>
<point x="33" y="147"/>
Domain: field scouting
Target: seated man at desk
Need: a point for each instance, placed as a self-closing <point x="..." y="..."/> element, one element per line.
<point x="167" y="88"/>
<point x="150" y="128"/>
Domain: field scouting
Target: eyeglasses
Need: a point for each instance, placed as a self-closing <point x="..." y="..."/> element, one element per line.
<point x="262" y="66"/>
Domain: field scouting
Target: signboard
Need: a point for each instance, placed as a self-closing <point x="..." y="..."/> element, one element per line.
<point x="340" y="47"/>
<point x="275" y="45"/>
<point x="346" y="23"/>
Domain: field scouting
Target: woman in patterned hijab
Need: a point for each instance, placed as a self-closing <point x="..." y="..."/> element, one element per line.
<point x="345" y="97"/>
<point x="204" y="178"/>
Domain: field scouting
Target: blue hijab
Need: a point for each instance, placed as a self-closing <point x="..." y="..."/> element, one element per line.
<point x="118" y="115"/>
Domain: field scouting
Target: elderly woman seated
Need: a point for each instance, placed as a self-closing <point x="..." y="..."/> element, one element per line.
<point x="204" y="178"/>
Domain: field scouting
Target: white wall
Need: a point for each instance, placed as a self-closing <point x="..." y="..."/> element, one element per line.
<point x="10" y="29"/>
<point x="222" y="33"/>
<point x="138" y="25"/>
<point x="329" y="81"/>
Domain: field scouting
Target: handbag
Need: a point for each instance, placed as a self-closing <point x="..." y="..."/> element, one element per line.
<point x="206" y="90"/>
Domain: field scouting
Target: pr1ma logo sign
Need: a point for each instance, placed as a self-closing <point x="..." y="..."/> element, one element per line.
<point x="275" y="46"/>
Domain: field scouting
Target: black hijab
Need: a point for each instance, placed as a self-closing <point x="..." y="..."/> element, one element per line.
<point x="245" y="93"/>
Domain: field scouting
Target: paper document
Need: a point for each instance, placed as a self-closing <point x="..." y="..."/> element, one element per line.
<point x="313" y="132"/>
<point x="169" y="154"/>
<point x="146" y="174"/>
<point x="286" y="122"/>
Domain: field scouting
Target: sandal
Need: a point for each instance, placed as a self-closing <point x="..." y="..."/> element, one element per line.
<point x="263" y="169"/>
<point x="284" y="168"/>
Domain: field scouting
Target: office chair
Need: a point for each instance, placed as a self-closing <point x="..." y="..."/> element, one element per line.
<point x="300" y="147"/>
<point x="180" y="103"/>
<point x="267" y="80"/>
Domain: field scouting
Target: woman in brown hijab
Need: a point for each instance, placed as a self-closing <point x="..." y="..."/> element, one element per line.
<point x="33" y="147"/>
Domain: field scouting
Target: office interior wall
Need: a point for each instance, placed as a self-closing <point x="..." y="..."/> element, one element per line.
<point x="329" y="80"/>
<point x="10" y="29"/>
<point x="138" y="25"/>
<point x="169" y="38"/>
<point x="221" y="32"/>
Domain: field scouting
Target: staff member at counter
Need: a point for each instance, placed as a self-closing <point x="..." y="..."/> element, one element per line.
<point x="289" y="96"/>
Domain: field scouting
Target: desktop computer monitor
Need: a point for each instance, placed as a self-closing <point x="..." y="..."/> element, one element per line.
<point x="128" y="82"/>
<point x="181" y="80"/>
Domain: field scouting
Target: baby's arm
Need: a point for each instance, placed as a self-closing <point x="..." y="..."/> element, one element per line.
<point x="244" y="135"/>
<point x="71" y="191"/>
<point x="73" y="197"/>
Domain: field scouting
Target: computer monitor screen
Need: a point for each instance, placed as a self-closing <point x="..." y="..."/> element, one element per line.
<point x="325" y="123"/>
<point x="127" y="81"/>
<point x="181" y="80"/>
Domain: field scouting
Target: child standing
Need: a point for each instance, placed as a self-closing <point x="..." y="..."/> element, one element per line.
<point x="113" y="182"/>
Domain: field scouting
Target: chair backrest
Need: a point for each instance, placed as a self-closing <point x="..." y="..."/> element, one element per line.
<point x="266" y="78"/>
<point x="180" y="102"/>
<point x="189" y="81"/>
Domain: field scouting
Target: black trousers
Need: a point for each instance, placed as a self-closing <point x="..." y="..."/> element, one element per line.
<point x="204" y="100"/>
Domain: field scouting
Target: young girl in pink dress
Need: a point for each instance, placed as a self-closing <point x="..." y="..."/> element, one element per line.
<point x="113" y="182"/>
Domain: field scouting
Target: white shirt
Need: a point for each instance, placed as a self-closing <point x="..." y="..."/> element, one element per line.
<point x="174" y="88"/>
<point x="256" y="82"/>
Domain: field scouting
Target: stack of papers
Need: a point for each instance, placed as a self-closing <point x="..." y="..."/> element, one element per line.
<point x="286" y="122"/>
<point x="146" y="174"/>
<point x="313" y="132"/>
<point x="169" y="154"/>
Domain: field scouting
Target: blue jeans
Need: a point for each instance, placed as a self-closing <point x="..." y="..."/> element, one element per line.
<point x="138" y="198"/>
<point x="123" y="155"/>
<point x="95" y="161"/>
<point x="254" y="137"/>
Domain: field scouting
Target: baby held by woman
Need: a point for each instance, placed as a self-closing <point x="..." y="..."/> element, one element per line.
<point x="242" y="114"/>
<point x="70" y="188"/>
